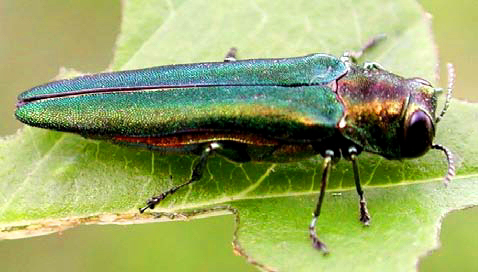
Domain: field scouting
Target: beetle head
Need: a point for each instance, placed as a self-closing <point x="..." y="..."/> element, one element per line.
<point x="387" y="114"/>
<point x="418" y="127"/>
<point x="390" y="115"/>
<point x="419" y="116"/>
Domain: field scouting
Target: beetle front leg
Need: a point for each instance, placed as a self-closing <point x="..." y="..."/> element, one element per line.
<point x="195" y="176"/>
<point x="364" y="215"/>
<point x="231" y="55"/>
<point x="316" y="243"/>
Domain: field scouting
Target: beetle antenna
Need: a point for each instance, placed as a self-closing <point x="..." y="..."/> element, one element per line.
<point x="451" y="84"/>
<point x="451" y="164"/>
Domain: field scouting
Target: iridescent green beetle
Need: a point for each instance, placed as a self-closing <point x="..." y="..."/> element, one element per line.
<point x="265" y="110"/>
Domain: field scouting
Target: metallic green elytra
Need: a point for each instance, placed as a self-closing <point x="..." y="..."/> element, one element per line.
<point x="273" y="110"/>
<point x="167" y="100"/>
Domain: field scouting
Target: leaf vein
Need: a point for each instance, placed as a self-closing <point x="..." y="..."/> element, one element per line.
<point x="37" y="167"/>
<point x="258" y="182"/>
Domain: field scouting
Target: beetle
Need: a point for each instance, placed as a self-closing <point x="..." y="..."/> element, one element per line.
<point x="260" y="110"/>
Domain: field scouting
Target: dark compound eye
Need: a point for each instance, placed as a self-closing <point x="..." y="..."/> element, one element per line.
<point x="418" y="135"/>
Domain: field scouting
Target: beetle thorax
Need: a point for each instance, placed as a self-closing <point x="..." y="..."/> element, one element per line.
<point x="375" y="102"/>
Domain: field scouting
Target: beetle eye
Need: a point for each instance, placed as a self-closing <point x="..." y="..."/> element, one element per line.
<point x="418" y="135"/>
<point x="422" y="81"/>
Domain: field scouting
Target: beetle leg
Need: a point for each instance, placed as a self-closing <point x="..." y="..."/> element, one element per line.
<point x="231" y="55"/>
<point x="325" y="176"/>
<point x="372" y="65"/>
<point x="195" y="176"/>
<point x="364" y="215"/>
<point x="353" y="56"/>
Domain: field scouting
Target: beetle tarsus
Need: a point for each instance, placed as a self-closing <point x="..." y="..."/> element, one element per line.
<point x="364" y="215"/>
<point x="316" y="243"/>
<point x="195" y="176"/>
<point x="152" y="202"/>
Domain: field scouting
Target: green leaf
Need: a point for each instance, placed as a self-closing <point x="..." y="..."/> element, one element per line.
<point x="51" y="181"/>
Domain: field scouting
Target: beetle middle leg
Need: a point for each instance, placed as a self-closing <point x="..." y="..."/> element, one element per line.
<point x="353" y="56"/>
<point x="195" y="176"/>
<point x="329" y="154"/>
<point x="231" y="55"/>
<point x="364" y="215"/>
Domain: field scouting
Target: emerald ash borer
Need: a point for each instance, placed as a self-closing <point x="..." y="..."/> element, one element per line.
<point x="256" y="110"/>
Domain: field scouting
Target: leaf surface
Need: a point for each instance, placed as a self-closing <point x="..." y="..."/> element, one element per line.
<point x="50" y="180"/>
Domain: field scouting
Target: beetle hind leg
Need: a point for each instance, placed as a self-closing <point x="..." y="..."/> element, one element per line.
<point x="195" y="176"/>
<point x="364" y="214"/>
<point x="316" y="243"/>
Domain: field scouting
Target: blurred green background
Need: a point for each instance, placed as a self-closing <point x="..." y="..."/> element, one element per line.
<point x="39" y="37"/>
